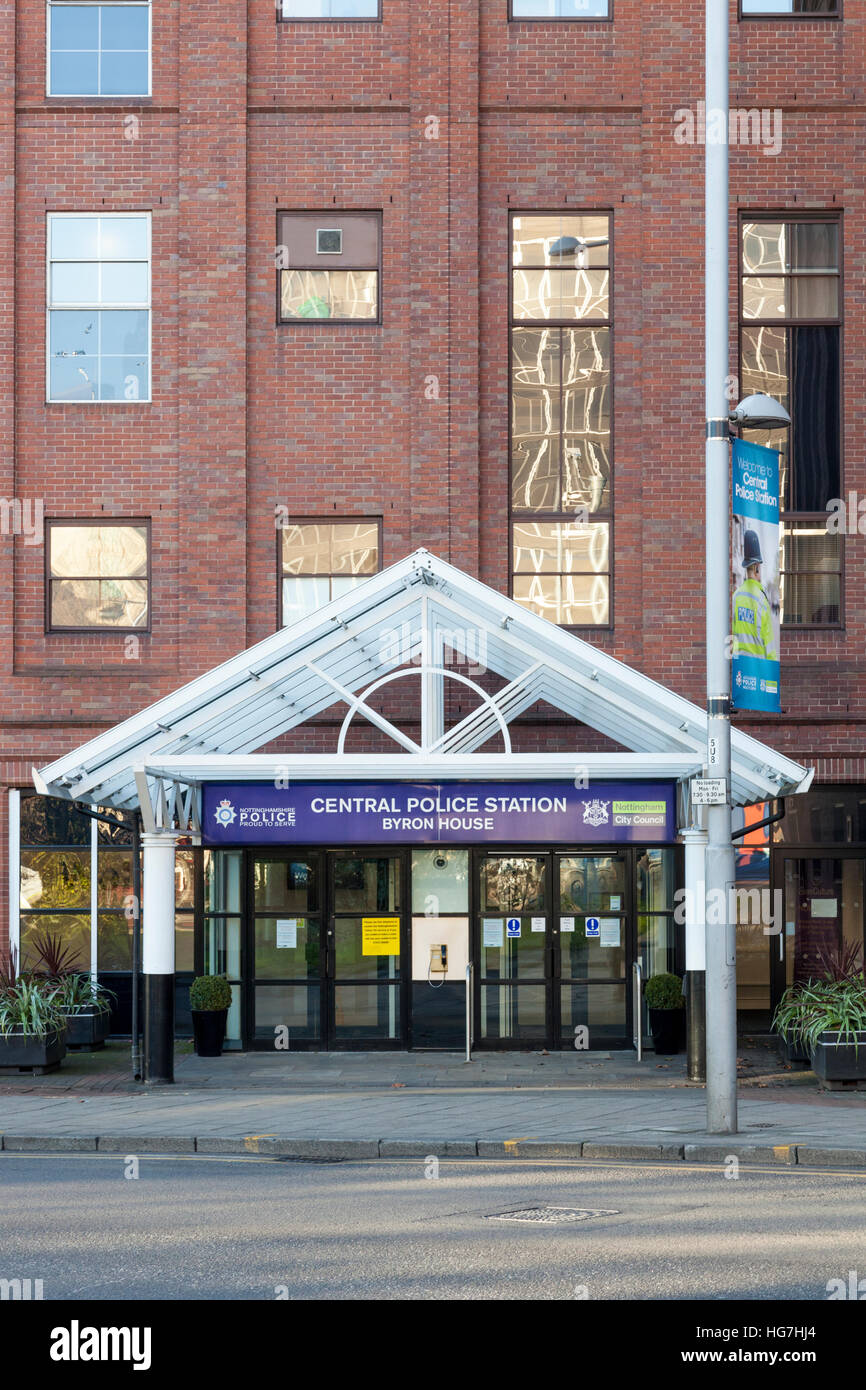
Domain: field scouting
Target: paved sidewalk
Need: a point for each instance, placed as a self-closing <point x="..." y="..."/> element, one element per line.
<point x="342" y="1105"/>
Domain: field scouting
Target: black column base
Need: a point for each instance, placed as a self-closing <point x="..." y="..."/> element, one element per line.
<point x="158" y="1061"/>
<point x="696" y="1024"/>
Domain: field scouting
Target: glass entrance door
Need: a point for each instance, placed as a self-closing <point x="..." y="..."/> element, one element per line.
<point x="366" y="948"/>
<point x="327" y="940"/>
<point x="555" y="944"/>
<point x="515" y="942"/>
<point x="595" y="949"/>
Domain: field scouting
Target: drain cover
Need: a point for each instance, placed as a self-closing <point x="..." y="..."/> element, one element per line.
<point x="549" y="1216"/>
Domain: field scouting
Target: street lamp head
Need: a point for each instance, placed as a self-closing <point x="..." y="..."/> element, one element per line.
<point x="760" y="412"/>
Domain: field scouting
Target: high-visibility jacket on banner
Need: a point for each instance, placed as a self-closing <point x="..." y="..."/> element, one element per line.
<point x="753" y="622"/>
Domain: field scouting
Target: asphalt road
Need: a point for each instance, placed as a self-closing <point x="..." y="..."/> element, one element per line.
<point x="258" y="1228"/>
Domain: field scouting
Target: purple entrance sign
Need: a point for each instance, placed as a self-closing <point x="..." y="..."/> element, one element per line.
<point x="404" y="813"/>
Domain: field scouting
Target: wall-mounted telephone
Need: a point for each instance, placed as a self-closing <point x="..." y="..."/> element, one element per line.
<point x="439" y="960"/>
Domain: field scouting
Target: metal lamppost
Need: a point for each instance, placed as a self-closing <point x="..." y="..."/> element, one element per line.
<point x="756" y="412"/>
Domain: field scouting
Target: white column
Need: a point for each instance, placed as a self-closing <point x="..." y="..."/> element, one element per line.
<point x="158" y="956"/>
<point x="696" y="947"/>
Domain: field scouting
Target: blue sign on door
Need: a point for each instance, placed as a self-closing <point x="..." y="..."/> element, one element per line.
<point x="593" y="926"/>
<point x="513" y="926"/>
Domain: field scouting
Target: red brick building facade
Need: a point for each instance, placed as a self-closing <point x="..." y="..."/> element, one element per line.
<point x="445" y="118"/>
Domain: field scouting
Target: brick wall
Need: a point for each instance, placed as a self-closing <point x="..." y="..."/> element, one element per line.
<point x="248" y="116"/>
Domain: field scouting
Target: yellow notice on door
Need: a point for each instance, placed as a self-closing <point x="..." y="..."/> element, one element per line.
<point x="380" y="936"/>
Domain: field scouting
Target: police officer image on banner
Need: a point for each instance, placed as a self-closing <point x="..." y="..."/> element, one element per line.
<point x="753" y="626"/>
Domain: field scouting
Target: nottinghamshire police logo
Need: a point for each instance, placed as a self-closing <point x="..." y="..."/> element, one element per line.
<point x="596" y="813"/>
<point x="225" y="813"/>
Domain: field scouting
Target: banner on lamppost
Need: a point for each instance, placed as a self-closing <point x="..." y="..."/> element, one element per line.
<point x="756" y="609"/>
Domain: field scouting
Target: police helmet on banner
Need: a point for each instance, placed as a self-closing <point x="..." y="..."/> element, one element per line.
<point x="751" y="550"/>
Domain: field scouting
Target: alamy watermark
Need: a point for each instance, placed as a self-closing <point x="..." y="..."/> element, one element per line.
<point x="759" y="127"/>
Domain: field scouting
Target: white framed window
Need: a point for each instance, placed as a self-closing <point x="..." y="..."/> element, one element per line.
<point x="98" y="50"/>
<point x="332" y="9"/>
<point x="98" y="298"/>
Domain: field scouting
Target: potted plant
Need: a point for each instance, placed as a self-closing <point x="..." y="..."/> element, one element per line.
<point x="664" y="997"/>
<point x="87" y="1006"/>
<point x="32" y="1026"/>
<point x="828" y="1017"/>
<point x="209" y="997"/>
<point x="85" y="1003"/>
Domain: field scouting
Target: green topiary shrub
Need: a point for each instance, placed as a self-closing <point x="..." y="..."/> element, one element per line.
<point x="210" y="993"/>
<point x="664" y="992"/>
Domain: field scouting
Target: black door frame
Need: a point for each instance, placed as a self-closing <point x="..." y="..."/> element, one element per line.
<point x="552" y="955"/>
<point x="324" y="857"/>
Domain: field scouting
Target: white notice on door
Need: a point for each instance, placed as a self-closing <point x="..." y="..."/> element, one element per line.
<point x="287" y="933"/>
<point x="566" y="924"/>
<point x="824" y="907"/>
<point x="539" y="924"/>
<point x="609" y="933"/>
<point x="492" y="932"/>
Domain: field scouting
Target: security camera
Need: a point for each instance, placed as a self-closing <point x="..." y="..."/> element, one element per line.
<point x="440" y="861"/>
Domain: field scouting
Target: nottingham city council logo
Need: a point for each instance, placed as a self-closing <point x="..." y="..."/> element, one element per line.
<point x="596" y="813"/>
<point x="225" y="813"/>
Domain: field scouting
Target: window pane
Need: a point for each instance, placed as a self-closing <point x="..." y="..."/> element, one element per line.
<point x="814" y="245"/>
<point x="222" y="880"/>
<point x="806" y="297"/>
<point x="816" y="473"/>
<point x="184" y="878"/>
<point x="73" y="929"/>
<point x="554" y="239"/>
<point x="764" y="247"/>
<point x="561" y="547"/>
<point x="114" y="941"/>
<point x="323" y="294"/>
<point x="184" y="941"/>
<point x="307" y="549"/>
<point x="47" y="820"/>
<point x="535" y="419"/>
<point x="304" y="596"/>
<point x="286" y="886"/>
<point x="74" y="26"/>
<point x="123" y="238"/>
<point x="124" y="74"/>
<point x="98" y="603"/>
<point x="586" y="419"/>
<point x="124" y="26"/>
<point x="790" y="7"/>
<point x="74" y="238"/>
<point x="811" y="598"/>
<point x="808" y="546"/>
<point x="276" y="962"/>
<point x="124" y="332"/>
<point x="75" y="282"/>
<point x="330" y="9"/>
<point x="354" y="549"/>
<point x="114" y="878"/>
<point x="124" y="378"/>
<point x="561" y="294"/>
<point x="74" y="74"/>
<point x="295" y="1007"/>
<point x="99" y="550"/>
<point x="125" y="283"/>
<point x="55" y="878"/>
<point x="571" y="600"/>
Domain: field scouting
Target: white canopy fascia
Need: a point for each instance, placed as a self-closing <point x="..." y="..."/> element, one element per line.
<point x="415" y="609"/>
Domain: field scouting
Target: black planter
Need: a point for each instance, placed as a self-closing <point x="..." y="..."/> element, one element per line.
<point x="668" y="1028"/>
<point x="795" y="1052"/>
<point x="86" y="1029"/>
<point x="836" y="1062"/>
<point x="24" y="1052"/>
<point x="209" y="1029"/>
